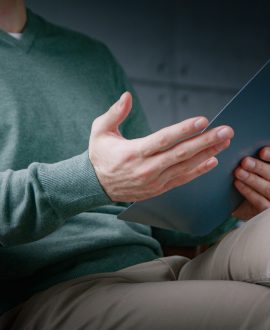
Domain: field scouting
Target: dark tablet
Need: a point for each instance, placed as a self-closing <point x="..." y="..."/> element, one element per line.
<point x="203" y="204"/>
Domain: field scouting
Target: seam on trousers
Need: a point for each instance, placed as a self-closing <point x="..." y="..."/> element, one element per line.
<point x="169" y="266"/>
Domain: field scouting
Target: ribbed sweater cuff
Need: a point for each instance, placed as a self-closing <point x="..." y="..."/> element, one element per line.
<point x="72" y="186"/>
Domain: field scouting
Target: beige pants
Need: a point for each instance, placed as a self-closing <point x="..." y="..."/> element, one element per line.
<point x="168" y="293"/>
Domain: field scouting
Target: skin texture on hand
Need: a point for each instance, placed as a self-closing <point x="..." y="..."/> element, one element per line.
<point x="134" y="170"/>
<point x="253" y="182"/>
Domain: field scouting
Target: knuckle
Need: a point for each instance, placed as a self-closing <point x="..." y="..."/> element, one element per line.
<point x="180" y="153"/>
<point x="205" y="137"/>
<point x="128" y="155"/>
<point x="141" y="150"/>
<point x="163" y="164"/>
<point x="258" y="165"/>
<point x="186" y="128"/>
<point x="261" y="168"/>
<point x="163" y="141"/>
<point x="144" y="152"/>
<point x="143" y="176"/>
<point x="96" y="124"/>
<point x="209" y="138"/>
<point x="251" y="179"/>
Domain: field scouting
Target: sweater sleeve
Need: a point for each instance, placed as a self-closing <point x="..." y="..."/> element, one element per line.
<point x="37" y="200"/>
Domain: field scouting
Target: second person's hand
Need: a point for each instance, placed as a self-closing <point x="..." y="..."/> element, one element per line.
<point x="253" y="182"/>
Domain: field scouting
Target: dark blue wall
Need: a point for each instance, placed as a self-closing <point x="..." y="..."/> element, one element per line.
<point x="184" y="57"/>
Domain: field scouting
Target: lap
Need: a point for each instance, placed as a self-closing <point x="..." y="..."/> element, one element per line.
<point x="146" y="296"/>
<point x="242" y="255"/>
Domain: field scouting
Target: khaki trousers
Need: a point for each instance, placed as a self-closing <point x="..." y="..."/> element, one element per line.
<point x="165" y="293"/>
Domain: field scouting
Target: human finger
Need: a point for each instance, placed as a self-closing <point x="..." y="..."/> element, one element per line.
<point x="189" y="148"/>
<point x="256" y="166"/>
<point x="254" y="181"/>
<point x="190" y="164"/>
<point x="118" y="112"/>
<point x="189" y="176"/>
<point x="169" y="136"/>
<point x="265" y="154"/>
<point x="257" y="200"/>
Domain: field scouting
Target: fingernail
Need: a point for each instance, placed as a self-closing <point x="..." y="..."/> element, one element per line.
<point x="200" y="123"/>
<point x="224" y="133"/>
<point x="121" y="101"/>
<point x="212" y="162"/>
<point x="250" y="163"/>
<point x="266" y="154"/>
<point x="242" y="174"/>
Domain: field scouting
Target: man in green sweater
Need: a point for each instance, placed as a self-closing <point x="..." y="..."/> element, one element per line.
<point x="62" y="248"/>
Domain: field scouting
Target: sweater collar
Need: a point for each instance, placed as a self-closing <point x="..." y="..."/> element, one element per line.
<point x="30" y="31"/>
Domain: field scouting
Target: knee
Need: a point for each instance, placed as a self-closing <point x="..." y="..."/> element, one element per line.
<point x="242" y="255"/>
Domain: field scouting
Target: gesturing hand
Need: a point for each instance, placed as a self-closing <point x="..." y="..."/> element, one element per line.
<point x="253" y="182"/>
<point x="133" y="170"/>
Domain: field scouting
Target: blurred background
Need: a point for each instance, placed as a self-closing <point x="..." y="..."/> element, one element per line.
<point x="184" y="58"/>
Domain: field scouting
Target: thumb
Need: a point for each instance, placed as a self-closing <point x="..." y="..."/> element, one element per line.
<point x="117" y="113"/>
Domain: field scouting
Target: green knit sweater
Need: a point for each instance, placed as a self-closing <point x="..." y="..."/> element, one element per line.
<point x="56" y="222"/>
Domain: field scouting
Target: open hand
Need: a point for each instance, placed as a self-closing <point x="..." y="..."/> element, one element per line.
<point x="253" y="182"/>
<point x="133" y="170"/>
